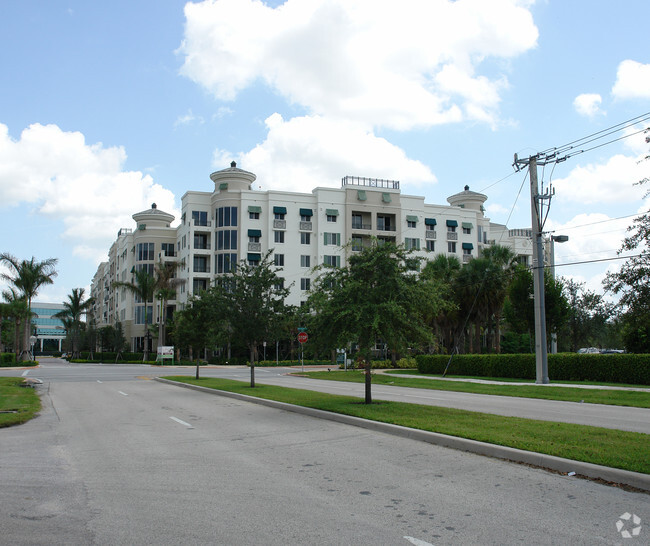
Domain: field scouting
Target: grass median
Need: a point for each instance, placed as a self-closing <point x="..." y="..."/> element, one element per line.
<point x="17" y="404"/>
<point x="637" y="399"/>
<point x="613" y="448"/>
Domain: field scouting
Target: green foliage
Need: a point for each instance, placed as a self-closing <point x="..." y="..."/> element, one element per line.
<point x="611" y="368"/>
<point x="25" y="402"/>
<point x="514" y="343"/>
<point x="407" y="363"/>
<point x="7" y="359"/>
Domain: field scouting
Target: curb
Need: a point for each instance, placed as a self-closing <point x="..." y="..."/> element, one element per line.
<point x="558" y="464"/>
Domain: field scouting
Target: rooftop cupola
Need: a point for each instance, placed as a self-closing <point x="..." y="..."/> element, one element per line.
<point x="232" y="179"/>
<point x="153" y="217"/>
<point x="467" y="199"/>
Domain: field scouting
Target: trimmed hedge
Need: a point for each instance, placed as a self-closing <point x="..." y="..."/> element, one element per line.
<point x="609" y="368"/>
<point x="7" y="359"/>
<point x="111" y="356"/>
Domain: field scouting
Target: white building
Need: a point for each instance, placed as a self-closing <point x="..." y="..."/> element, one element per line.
<point x="235" y="222"/>
<point x="48" y="330"/>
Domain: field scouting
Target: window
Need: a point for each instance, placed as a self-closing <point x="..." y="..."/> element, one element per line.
<point x="451" y="246"/>
<point x="357" y="221"/>
<point x="357" y="243"/>
<point x="467" y="251"/>
<point x="199" y="285"/>
<point x="279" y="216"/>
<point x="278" y="260"/>
<point x="139" y="314"/>
<point x="332" y="239"/>
<point x="384" y="223"/>
<point x="412" y="244"/>
<point x="201" y="241"/>
<point x="332" y="261"/>
<point x="278" y="236"/>
<point x="253" y="239"/>
<point x="305" y="284"/>
<point x="201" y="264"/>
<point x="431" y="245"/>
<point x="467" y="231"/>
<point x="254" y="259"/>
<point x="148" y="268"/>
<point x="199" y="218"/>
<point x="144" y="251"/>
<point x="167" y="249"/>
<point x="331" y="218"/>
<point x="451" y="229"/>
<point x="411" y="224"/>
<point x="305" y="261"/>
<point x="227" y="239"/>
<point x="305" y="238"/>
<point x="253" y="215"/>
<point x="226" y="262"/>
<point x="331" y="214"/>
<point x="226" y="216"/>
<point x="279" y="285"/>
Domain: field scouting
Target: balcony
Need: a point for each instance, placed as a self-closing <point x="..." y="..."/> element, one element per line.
<point x="201" y="223"/>
<point x="386" y="228"/>
<point x="279" y="224"/>
<point x="467" y="258"/>
<point x="360" y="225"/>
<point x="254" y="247"/>
<point x="452" y="236"/>
<point x="304" y="226"/>
<point x="429" y="234"/>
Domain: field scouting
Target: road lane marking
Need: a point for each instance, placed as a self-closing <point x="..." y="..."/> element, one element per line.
<point x="98" y="381"/>
<point x="181" y="422"/>
<point x="25" y="372"/>
<point x="122" y="393"/>
<point x="418" y="542"/>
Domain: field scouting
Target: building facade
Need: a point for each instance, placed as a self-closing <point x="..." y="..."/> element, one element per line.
<point x="302" y="230"/>
<point x="48" y="330"/>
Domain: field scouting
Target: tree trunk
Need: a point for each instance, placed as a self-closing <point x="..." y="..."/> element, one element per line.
<point x="497" y="335"/>
<point x="252" y="362"/>
<point x="368" y="382"/>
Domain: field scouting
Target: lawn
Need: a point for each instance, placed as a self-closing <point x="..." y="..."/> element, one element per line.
<point x="607" y="447"/>
<point x="637" y="399"/>
<point x="17" y="404"/>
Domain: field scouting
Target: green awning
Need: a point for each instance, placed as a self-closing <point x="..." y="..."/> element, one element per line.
<point x="361" y="195"/>
<point x="430" y="222"/>
<point x="385" y="197"/>
<point x="468" y="246"/>
<point x="223" y="186"/>
<point x="452" y="223"/>
<point x="411" y="218"/>
<point x="254" y="257"/>
<point x="306" y="212"/>
<point x="331" y="212"/>
<point x="253" y="208"/>
<point x="279" y="210"/>
<point x="468" y="225"/>
<point x="254" y="232"/>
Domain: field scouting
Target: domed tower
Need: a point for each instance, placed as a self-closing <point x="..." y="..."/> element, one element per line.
<point x="153" y="217"/>
<point x="232" y="179"/>
<point x="468" y="200"/>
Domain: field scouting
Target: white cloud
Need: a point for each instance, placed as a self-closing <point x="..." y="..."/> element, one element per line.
<point x="384" y="64"/>
<point x="588" y="104"/>
<point x="311" y="151"/>
<point x="188" y="119"/>
<point x="632" y="81"/>
<point x="79" y="184"/>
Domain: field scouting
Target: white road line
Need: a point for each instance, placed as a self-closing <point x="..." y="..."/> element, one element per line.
<point x="181" y="422"/>
<point x="98" y="381"/>
<point x="418" y="542"/>
<point x="122" y="393"/>
<point x="25" y="372"/>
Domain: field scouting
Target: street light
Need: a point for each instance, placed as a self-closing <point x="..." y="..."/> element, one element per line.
<point x="555" y="239"/>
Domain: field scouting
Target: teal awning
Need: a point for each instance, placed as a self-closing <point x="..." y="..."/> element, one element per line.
<point x="306" y="212"/>
<point x="385" y="197"/>
<point x="254" y="232"/>
<point x="254" y="257"/>
<point x="468" y="225"/>
<point x="452" y="223"/>
<point x="430" y="222"/>
<point x="361" y="195"/>
<point x="253" y="208"/>
<point x="223" y="186"/>
<point x="331" y="212"/>
<point x="279" y="210"/>
<point x="468" y="246"/>
<point x="411" y="218"/>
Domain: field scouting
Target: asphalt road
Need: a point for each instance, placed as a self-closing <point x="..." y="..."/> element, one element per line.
<point x="133" y="461"/>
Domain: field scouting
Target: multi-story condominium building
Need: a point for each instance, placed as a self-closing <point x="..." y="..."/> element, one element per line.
<point x="235" y="222"/>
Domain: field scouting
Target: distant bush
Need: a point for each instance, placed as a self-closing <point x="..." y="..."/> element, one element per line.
<point x="609" y="368"/>
<point x="7" y="359"/>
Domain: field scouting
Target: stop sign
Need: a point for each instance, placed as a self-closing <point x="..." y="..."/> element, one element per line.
<point x="302" y="337"/>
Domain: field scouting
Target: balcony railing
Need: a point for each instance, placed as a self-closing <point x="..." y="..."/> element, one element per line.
<point x="199" y="223"/>
<point x="304" y="226"/>
<point x="254" y="247"/>
<point x="467" y="258"/>
<point x="429" y="234"/>
<point x="361" y="225"/>
<point x="452" y="236"/>
<point x="386" y="228"/>
<point x="279" y="224"/>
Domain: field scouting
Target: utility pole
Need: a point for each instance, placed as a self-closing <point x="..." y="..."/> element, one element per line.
<point x="541" y="354"/>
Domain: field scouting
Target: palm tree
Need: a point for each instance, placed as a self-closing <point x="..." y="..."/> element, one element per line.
<point x="503" y="262"/>
<point x="166" y="283"/>
<point x="73" y="309"/>
<point x="28" y="277"/>
<point x="144" y="288"/>
<point x="16" y="308"/>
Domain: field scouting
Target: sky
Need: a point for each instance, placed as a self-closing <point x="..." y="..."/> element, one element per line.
<point x="107" y="107"/>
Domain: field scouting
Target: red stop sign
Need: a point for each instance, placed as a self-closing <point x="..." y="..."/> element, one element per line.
<point x="302" y="337"/>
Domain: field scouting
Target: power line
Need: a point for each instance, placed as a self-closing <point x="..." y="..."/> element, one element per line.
<point x="600" y="260"/>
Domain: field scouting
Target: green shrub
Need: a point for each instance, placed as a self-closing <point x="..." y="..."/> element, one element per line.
<point x="7" y="358"/>
<point x="406" y="363"/>
<point x="608" y="368"/>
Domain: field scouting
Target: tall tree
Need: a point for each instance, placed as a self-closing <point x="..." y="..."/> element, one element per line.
<point x="166" y="283"/>
<point x="16" y="308"/>
<point x="632" y="282"/>
<point x="144" y="288"/>
<point x="73" y="310"/>
<point x="376" y="296"/>
<point x="28" y="276"/>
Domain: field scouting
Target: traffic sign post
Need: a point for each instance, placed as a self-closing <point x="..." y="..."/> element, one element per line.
<point x="303" y="337"/>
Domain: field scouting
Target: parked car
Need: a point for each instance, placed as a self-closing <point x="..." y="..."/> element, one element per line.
<point x="589" y="350"/>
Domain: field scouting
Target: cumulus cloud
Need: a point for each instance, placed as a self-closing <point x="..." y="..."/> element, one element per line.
<point x="632" y="81"/>
<point x="305" y="152"/>
<point x="82" y="185"/>
<point x="588" y="104"/>
<point x="384" y="64"/>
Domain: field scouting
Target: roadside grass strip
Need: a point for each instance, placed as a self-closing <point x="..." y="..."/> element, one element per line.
<point x="17" y="404"/>
<point x="637" y="399"/>
<point x="601" y="446"/>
